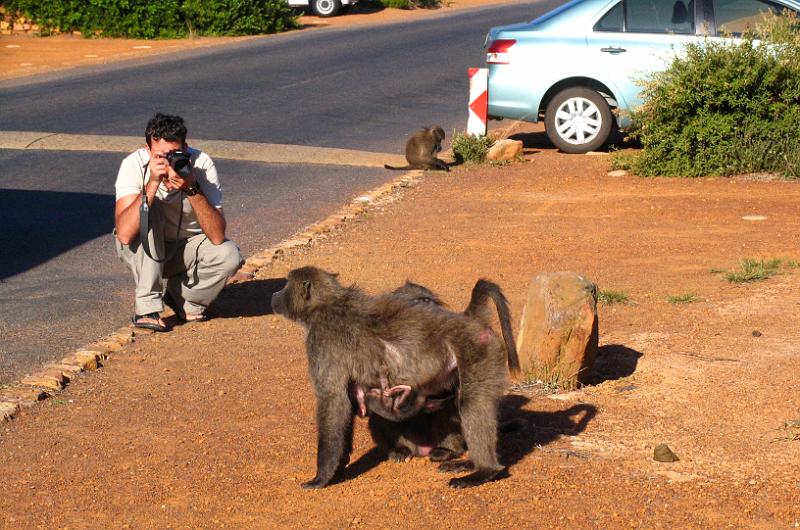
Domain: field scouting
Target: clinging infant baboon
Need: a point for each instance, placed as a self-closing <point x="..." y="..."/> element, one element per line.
<point x="353" y="340"/>
<point x="432" y="429"/>
<point x="421" y="150"/>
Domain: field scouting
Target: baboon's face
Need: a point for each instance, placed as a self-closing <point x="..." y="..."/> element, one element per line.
<point x="438" y="134"/>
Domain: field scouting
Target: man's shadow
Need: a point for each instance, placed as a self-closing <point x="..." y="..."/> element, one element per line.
<point x="247" y="299"/>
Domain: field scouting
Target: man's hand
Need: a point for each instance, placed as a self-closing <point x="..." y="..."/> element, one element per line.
<point x="159" y="167"/>
<point x="161" y="171"/>
<point x="174" y="181"/>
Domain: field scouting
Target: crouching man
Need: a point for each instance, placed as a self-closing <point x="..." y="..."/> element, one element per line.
<point x="170" y="226"/>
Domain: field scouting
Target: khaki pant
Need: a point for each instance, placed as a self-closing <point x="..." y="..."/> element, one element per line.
<point x="194" y="276"/>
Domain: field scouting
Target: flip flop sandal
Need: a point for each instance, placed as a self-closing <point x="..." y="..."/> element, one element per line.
<point x="155" y="326"/>
<point x="195" y="318"/>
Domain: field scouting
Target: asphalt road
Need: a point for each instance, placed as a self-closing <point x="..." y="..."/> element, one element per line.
<point x="363" y="88"/>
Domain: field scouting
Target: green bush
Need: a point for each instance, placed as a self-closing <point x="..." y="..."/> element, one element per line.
<point x="145" y="19"/>
<point x="725" y="108"/>
<point x="396" y="4"/>
<point x="409" y="4"/>
<point x="469" y="148"/>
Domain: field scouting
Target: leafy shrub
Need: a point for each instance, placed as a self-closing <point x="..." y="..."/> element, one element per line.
<point x="725" y="108"/>
<point x="396" y="4"/>
<point x="145" y="19"/>
<point x="238" y="17"/>
<point x="469" y="148"/>
<point x="409" y="4"/>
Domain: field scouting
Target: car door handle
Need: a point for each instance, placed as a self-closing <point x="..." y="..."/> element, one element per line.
<point x="613" y="49"/>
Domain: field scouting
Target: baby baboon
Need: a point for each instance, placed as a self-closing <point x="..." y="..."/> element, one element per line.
<point x="419" y="427"/>
<point x="352" y="339"/>
<point x="421" y="150"/>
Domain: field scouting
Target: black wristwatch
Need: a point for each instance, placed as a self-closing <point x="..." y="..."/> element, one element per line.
<point x="193" y="190"/>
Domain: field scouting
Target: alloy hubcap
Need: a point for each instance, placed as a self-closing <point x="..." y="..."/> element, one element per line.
<point x="578" y="121"/>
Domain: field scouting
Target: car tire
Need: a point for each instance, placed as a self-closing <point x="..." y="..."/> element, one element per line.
<point x="326" y="8"/>
<point x="578" y="120"/>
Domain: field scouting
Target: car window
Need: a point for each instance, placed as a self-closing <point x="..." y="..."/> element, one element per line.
<point x="649" y="16"/>
<point x="613" y="20"/>
<point x="737" y="16"/>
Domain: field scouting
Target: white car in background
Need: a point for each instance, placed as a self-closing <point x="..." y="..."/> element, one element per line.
<point x="323" y="8"/>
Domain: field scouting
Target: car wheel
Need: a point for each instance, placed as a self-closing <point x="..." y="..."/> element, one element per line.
<point x="578" y="120"/>
<point x="326" y="8"/>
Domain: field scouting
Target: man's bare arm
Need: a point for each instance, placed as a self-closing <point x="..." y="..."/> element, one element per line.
<point x="211" y="219"/>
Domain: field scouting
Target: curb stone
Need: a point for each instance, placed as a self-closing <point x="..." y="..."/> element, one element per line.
<point x="55" y="376"/>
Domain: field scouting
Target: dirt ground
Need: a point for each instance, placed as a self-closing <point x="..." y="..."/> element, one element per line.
<point x="212" y="424"/>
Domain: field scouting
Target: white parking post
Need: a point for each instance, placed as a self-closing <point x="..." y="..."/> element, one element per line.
<point x="478" y="101"/>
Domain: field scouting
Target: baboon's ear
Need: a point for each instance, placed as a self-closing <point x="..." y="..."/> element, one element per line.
<point x="307" y="290"/>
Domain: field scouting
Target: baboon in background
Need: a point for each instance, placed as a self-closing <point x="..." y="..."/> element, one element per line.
<point x="353" y="339"/>
<point x="421" y="150"/>
<point x="433" y="429"/>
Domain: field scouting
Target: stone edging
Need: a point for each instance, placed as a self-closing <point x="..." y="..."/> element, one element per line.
<point x="53" y="377"/>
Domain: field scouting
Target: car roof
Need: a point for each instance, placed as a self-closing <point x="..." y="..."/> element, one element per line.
<point x="582" y="9"/>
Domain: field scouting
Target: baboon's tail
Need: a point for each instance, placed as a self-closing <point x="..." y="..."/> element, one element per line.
<point x="387" y="166"/>
<point x="483" y="290"/>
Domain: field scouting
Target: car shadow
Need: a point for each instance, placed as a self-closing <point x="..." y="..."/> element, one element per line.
<point x="361" y="8"/>
<point x="533" y="140"/>
<point x="539" y="140"/>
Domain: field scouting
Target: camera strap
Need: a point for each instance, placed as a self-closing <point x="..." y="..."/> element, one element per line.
<point x="144" y="221"/>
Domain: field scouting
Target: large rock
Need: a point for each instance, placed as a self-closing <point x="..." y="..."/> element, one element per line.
<point x="558" y="336"/>
<point x="504" y="151"/>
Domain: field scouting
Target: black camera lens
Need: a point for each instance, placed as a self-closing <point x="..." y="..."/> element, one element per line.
<point x="181" y="162"/>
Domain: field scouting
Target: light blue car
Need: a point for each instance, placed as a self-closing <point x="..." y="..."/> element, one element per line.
<point x="578" y="64"/>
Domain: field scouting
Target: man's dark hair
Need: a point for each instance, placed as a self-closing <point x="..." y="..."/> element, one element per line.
<point x="165" y="127"/>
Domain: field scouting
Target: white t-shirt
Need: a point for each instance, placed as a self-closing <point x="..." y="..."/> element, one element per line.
<point x="134" y="172"/>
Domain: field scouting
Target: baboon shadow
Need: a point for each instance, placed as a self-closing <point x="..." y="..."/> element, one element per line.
<point x="246" y="299"/>
<point x="367" y="462"/>
<point x="537" y="428"/>
<point x="613" y="362"/>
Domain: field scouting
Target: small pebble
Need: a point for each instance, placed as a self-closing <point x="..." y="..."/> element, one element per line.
<point x="756" y="333"/>
<point x="662" y="453"/>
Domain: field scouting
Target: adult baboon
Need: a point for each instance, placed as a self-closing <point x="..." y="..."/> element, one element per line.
<point x="353" y="339"/>
<point x="430" y="427"/>
<point x="421" y="150"/>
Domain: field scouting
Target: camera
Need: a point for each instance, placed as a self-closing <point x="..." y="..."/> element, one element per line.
<point x="180" y="162"/>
